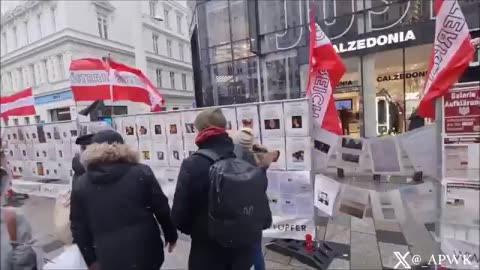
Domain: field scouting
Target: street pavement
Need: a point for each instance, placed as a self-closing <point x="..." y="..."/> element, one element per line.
<point x="371" y="243"/>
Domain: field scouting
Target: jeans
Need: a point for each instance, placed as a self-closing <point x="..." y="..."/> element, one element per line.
<point x="258" y="261"/>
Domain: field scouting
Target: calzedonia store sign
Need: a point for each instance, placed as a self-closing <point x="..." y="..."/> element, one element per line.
<point x="422" y="33"/>
<point x="371" y="42"/>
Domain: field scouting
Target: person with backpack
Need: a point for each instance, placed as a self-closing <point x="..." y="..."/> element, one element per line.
<point x="16" y="251"/>
<point x="117" y="207"/>
<point x="220" y="200"/>
<point x="257" y="155"/>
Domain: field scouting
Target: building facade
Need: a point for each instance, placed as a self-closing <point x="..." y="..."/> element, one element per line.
<point x="252" y="51"/>
<point x="40" y="38"/>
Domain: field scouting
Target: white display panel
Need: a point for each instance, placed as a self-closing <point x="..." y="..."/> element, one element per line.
<point x="272" y="120"/>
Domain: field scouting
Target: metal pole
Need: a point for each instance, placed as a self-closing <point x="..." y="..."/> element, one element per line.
<point x="439" y="126"/>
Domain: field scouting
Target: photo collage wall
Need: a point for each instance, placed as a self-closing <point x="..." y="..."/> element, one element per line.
<point x="42" y="151"/>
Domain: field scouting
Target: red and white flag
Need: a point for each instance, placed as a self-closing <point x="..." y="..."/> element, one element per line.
<point x="125" y="75"/>
<point x="91" y="80"/>
<point x="326" y="70"/>
<point x="451" y="54"/>
<point x="19" y="104"/>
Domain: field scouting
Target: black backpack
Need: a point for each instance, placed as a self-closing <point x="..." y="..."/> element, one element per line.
<point x="238" y="208"/>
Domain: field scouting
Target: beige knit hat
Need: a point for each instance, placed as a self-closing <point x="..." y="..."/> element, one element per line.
<point x="210" y="117"/>
<point x="244" y="137"/>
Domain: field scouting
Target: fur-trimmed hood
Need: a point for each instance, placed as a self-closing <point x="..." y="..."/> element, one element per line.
<point x="108" y="153"/>
<point x="107" y="162"/>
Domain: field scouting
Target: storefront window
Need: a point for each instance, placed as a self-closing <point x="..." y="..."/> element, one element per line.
<point x="222" y="53"/>
<point x="241" y="49"/>
<point x="416" y="65"/>
<point x="247" y="81"/>
<point x="281" y="75"/>
<point x="390" y="91"/>
<point x="238" y="16"/>
<point x="222" y="82"/>
<point x="276" y="15"/>
<point x="218" y="30"/>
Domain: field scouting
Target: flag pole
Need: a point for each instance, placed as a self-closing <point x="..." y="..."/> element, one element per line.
<point x="110" y="85"/>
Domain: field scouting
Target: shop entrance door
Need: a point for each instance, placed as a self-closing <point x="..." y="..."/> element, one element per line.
<point x="347" y="101"/>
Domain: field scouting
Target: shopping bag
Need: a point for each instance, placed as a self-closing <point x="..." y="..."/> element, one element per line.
<point x="70" y="259"/>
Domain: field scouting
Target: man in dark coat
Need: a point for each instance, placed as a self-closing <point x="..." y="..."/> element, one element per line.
<point x="190" y="204"/>
<point x="116" y="208"/>
<point x="77" y="167"/>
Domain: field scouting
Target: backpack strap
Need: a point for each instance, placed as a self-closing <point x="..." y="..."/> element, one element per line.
<point x="208" y="153"/>
<point x="11" y="222"/>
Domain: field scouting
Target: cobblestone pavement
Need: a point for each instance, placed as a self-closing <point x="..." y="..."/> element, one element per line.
<point x="371" y="242"/>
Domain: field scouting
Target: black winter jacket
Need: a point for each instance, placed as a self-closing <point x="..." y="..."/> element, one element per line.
<point x="190" y="204"/>
<point x="77" y="168"/>
<point x="116" y="205"/>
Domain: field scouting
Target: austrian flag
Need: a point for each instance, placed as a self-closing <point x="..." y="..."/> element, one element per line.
<point x="95" y="79"/>
<point x="452" y="52"/>
<point x="19" y="104"/>
<point x="326" y="70"/>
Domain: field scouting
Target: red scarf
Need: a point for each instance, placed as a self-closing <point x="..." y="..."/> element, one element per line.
<point x="208" y="133"/>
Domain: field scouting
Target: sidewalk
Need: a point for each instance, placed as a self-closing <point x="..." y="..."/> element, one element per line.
<point x="371" y="242"/>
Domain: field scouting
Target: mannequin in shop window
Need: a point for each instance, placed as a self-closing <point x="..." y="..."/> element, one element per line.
<point x="394" y="112"/>
<point x="345" y="118"/>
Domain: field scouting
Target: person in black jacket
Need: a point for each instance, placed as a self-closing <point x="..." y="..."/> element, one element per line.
<point x="190" y="203"/>
<point x="116" y="208"/>
<point x="77" y="166"/>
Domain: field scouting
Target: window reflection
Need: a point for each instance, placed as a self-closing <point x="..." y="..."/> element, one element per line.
<point x="246" y="75"/>
<point x="217" y="22"/>
<point x="238" y="15"/>
<point x="281" y="75"/>
<point x="276" y="15"/>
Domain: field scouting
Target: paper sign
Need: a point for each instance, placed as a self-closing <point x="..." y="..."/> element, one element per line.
<point x="175" y="153"/>
<point x="160" y="155"/>
<point x="231" y="117"/>
<point x="326" y="191"/>
<point x="297" y="118"/>
<point x="290" y="228"/>
<point x="143" y="127"/>
<point x="272" y="123"/>
<point x="128" y="128"/>
<point x="247" y="117"/>
<point x="298" y="153"/>
<point x="385" y="155"/>
<point x="188" y="126"/>
<point x="276" y="144"/>
<point x="173" y="127"/>
<point x="324" y="145"/>
<point x="157" y="127"/>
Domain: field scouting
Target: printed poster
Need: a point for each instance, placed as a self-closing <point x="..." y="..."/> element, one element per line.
<point x="324" y="145"/>
<point x="143" y="127"/>
<point x="276" y="144"/>
<point x="188" y="126"/>
<point x="290" y="228"/>
<point x="460" y="211"/>
<point x="173" y="127"/>
<point x="231" y="117"/>
<point x="160" y="155"/>
<point x="145" y="151"/>
<point x="326" y="191"/>
<point x="420" y="146"/>
<point x="297" y="118"/>
<point x="421" y="200"/>
<point x="298" y="153"/>
<point x="190" y="148"/>
<point x="290" y="193"/>
<point x="168" y="183"/>
<point x="351" y="152"/>
<point x="386" y="156"/>
<point x="63" y="151"/>
<point x="175" y="153"/>
<point x="272" y="120"/>
<point x="247" y="117"/>
<point x="157" y="127"/>
<point x="354" y="201"/>
<point x="128" y="128"/>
